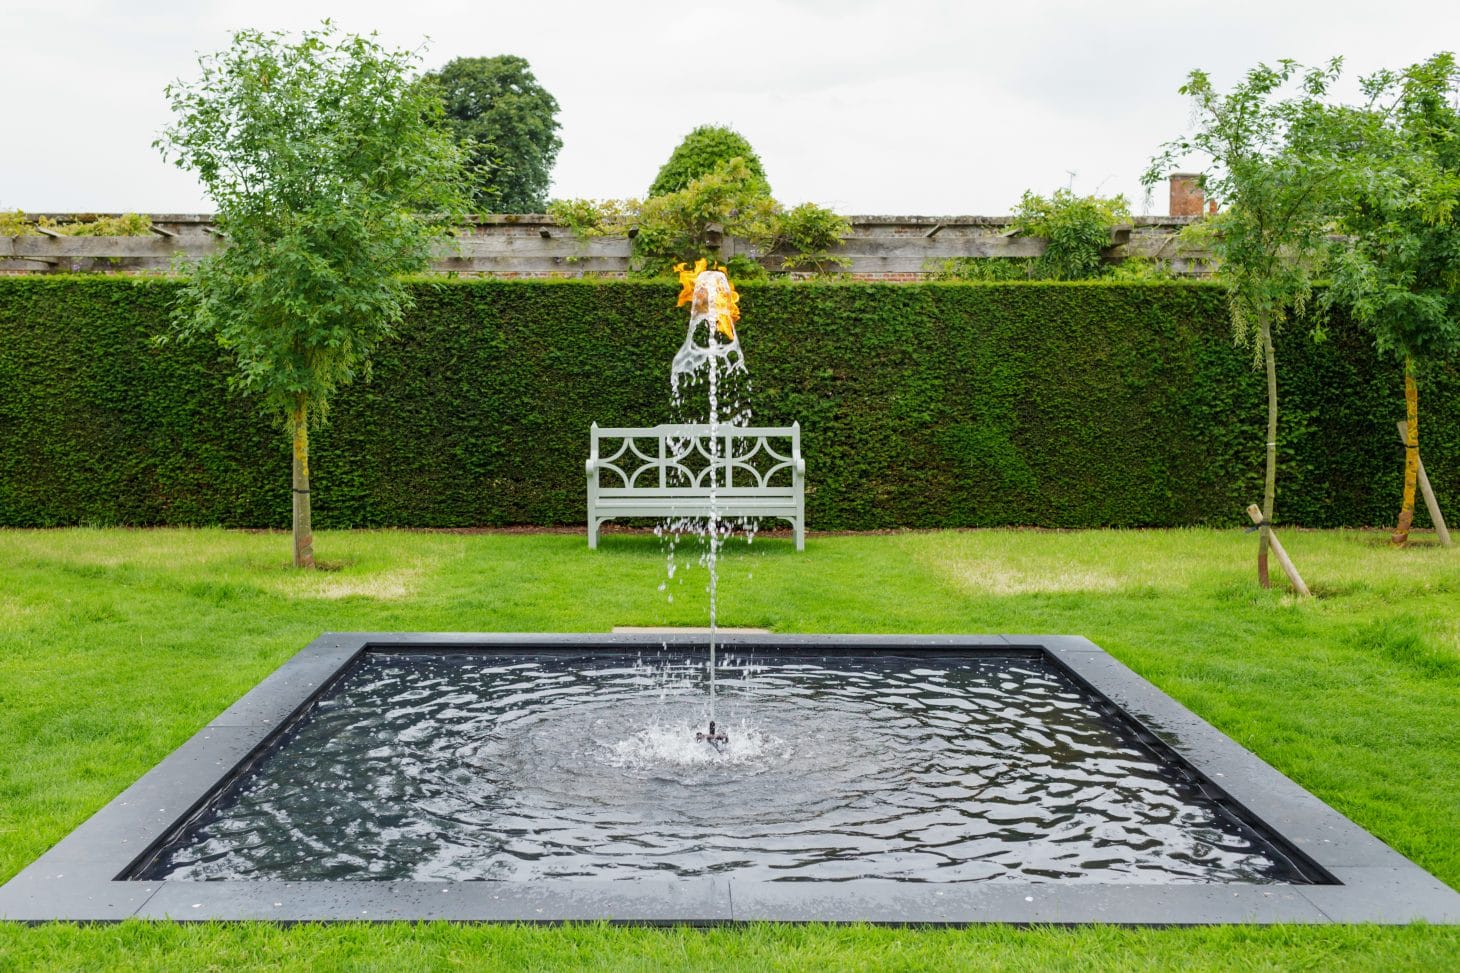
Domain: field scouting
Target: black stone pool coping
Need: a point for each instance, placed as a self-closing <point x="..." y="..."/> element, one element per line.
<point x="79" y="879"/>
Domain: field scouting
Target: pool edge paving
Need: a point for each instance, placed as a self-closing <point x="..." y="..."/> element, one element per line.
<point x="77" y="880"/>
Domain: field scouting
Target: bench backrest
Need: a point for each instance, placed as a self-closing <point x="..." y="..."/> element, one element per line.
<point x="675" y="457"/>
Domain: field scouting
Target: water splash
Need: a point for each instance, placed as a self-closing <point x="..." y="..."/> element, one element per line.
<point x="714" y="310"/>
<point x="710" y="361"/>
<point x="672" y="745"/>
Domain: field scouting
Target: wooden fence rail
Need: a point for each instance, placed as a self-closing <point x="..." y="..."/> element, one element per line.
<point x="533" y="245"/>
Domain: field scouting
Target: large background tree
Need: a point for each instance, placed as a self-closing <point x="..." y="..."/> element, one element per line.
<point x="1400" y="270"/>
<point x="508" y="125"/>
<point x="1276" y="159"/>
<point x="332" y="177"/>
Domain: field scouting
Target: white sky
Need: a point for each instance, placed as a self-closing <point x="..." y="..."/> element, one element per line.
<point x="890" y="107"/>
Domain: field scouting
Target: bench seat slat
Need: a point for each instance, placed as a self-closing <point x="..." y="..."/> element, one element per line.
<point x="732" y="493"/>
<point x="628" y="509"/>
<point x="692" y="429"/>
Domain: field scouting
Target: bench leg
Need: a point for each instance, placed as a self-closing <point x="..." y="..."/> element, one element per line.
<point x="592" y="533"/>
<point x="800" y="526"/>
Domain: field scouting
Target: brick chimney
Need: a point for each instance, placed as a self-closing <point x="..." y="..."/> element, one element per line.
<point x="1187" y="198"/>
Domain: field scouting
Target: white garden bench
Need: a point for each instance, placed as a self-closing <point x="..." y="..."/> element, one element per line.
<point x="667" y="470"/>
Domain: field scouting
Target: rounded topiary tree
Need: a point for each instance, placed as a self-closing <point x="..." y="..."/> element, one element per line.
<point x="700" y="153"/>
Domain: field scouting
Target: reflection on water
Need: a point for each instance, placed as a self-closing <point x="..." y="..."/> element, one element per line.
<point x="552" y="765"/>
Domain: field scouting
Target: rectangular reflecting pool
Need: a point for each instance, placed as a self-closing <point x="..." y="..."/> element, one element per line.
<point x="887" y="779"/>
<point x="934" y="768"/>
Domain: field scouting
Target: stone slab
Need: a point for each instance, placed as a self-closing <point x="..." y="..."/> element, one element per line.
<point x="690" y="901"/>
<point x="1021" y="903"/>
<point x="683" y="630"/>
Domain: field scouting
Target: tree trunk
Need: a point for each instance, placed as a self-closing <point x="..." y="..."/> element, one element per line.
<point x="1269" y="486"/>
<point x="1400" y="536"/>
<point x="303" y="532"/>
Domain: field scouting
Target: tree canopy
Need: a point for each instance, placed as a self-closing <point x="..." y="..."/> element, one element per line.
<point x="1275" y="165"/>
<point x="507" y="123"/>
<point x="712" y="190"/>
<point x="1398" y="267"/>
<point x="332" y="177"/>
<point x="1278" y="155"/>
<point x="681" y="226"/>
<point x="701" y="152"/>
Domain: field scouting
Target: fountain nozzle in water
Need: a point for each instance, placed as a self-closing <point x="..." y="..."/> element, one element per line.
<point x="715" y="738"/>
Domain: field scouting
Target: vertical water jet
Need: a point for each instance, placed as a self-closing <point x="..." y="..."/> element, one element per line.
<point x="711" y="353"/>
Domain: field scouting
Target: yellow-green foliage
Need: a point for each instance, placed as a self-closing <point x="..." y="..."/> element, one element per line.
<point x="128" y="224"/>
<point x="1076" y="232"/>
<point x="16" y="223"/>
<point x="590" y="219"/>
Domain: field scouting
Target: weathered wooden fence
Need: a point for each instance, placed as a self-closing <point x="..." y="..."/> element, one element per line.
<point x="533" y="245"/>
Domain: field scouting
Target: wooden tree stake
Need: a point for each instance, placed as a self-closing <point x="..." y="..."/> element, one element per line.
<point x="1255" y="512"/>
<point x="1431" y="504"/>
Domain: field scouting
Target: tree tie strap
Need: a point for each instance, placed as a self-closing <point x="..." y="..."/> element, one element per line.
<point x="1258" y="526"/>
<point x="297" y="490"/>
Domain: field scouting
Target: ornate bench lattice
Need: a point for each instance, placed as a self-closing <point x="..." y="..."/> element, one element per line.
<point x="668" y="470"/>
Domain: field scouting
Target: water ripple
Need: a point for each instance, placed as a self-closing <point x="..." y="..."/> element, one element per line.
<point x="959" y="770"/>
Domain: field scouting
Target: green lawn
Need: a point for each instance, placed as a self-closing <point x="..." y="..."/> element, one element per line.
<point x="116" y="646"/>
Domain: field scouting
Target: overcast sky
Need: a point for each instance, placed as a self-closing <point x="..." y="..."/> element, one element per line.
<point x="867" y="106"/>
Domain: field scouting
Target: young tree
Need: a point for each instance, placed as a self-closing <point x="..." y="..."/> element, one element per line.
<point x="1400" y="272"/>
<point x="1275" y="163"/>
<point x="332" y="176"/>
<point x="507" y="123"/>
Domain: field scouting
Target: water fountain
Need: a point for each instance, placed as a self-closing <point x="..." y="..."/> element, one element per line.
<point x="706" y="358"/>
<point x="498" y="777"/>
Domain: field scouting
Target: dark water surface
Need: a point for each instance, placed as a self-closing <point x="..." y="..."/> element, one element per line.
<point x="552" y="765"/>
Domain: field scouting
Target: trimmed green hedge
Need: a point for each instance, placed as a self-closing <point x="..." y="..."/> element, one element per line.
<point x="928" y="405"/>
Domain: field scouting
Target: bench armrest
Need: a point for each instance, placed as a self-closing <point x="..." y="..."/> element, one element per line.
<point x="590" y="466"/>
<point x="800" y="466"/>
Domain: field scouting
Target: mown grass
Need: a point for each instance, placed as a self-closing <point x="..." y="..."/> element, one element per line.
<point x="117" y="645"/>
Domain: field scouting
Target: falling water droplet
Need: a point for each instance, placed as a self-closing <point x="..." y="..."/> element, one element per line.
<point x="718" y="368"/>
